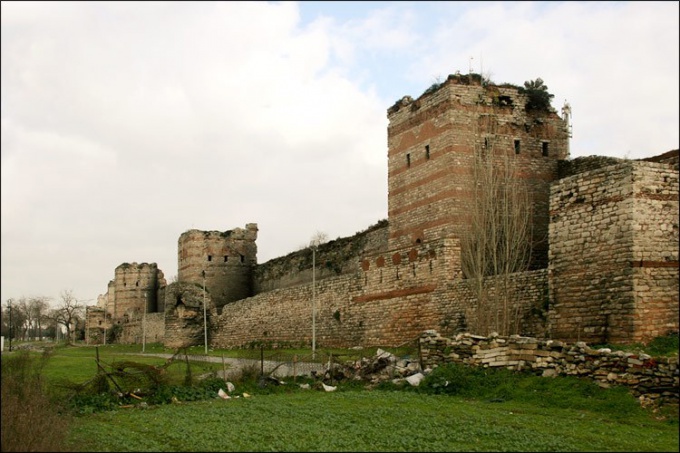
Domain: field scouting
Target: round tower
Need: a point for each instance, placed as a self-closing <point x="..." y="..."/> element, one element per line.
<point x="223" y="261"/>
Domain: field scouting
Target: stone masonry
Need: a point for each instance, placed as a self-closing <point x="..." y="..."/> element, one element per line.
<point x="605" y="246"/>
<point x="614" y="254"/>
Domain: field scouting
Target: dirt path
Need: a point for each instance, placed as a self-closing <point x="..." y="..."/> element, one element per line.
<point x="267" y="367"/>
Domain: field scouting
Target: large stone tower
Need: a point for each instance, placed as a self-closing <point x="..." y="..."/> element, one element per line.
<point x="432" y="143"/>
<point x="135" y="289"/>
<point x="227" y="258"/>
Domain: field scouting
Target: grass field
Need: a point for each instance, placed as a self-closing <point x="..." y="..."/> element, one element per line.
<point x="59" y="402"/>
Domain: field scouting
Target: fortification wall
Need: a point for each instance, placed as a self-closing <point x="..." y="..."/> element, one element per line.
<point x="227" y="258"/>
<point x="393" y="298"/>
<point x="571" y="167"/>
<point x="149" y="328"/>
<point x="655" y="250"/>
<point x="337" y="257"/>
<point x="432" y="144"/>
<point x="603" y="222"/>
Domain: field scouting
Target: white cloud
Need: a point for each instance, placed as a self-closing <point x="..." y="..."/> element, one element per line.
<point x="126" y="123"/>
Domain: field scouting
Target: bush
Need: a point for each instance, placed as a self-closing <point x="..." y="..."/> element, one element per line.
<point x="30" y="421"/>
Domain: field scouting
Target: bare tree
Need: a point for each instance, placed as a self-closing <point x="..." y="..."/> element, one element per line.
<point x="37" y="307"/>
<point x="22" y="321"/>
<point x="497" y="244"/>
<point x="318" y="238"/>
<point x="68" y="314"/>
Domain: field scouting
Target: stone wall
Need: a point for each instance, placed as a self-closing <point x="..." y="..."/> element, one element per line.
<point x="135" y="329"/>
<point x="655" y="250"/>
<point x="651" y="377"/>
<point x="184" y="315"/>
<point x="392" y="299"/>
<point x="571" y="167"/>
<point x="614" y="254"/>
<point x="337" y="257"/>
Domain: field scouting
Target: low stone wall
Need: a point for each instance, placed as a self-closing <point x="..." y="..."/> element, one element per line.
<point x="654" y="378"/>
<point x="150" y="329"/>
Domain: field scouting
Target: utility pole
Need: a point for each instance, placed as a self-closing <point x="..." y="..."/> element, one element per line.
<point x="314" y="301"/>
<point x="144" y="324"/>
<point x="205" y="319"/>
<point x="9" y="302"/>
<point x="106" y="307"/>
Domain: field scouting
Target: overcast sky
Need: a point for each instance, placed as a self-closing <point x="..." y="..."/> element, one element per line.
<point x="126" y="124"/>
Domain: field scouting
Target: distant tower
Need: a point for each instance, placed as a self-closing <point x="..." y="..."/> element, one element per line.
<point x="136" y="289"/>
<point x="432" y="143"/>
<point x="228" y="259"/>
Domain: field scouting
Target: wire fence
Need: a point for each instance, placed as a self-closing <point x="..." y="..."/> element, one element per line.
<point x="331" y="365"/>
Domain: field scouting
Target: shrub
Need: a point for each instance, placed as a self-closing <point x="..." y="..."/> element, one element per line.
<point x="30" y="421"/>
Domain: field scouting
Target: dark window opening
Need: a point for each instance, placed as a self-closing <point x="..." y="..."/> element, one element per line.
<point x="124" y="284"/>
<point x="408" y="160"/>
<point x="243" y="259"/>
<point x="225" y="258"/>
<point x="516" y="146"/>
<point x="504" y="100"/>
<point x="427" y="151"/>
<point x="545" y="148"/>
<point x="137" y="283"/>
<point x="486" y="142"/>
<point x="209" y="257"/>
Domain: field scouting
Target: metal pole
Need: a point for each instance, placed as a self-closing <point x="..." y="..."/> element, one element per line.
<point x="10" y="324"/>
<point x="205" y="319"/>
<point x="106" y="306"/>
<point x="144" y="325"/>
<point x="313" y="302"/>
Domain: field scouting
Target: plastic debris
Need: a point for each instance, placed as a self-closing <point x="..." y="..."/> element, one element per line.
<point x="222" y="394"/>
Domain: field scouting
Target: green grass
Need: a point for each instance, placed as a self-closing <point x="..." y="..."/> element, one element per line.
<point x="455" y="408"/>
<point x="367" y="421"/>
<point x="660" y="346"/>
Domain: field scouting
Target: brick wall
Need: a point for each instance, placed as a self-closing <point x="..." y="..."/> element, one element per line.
<point x="432" y="142"/>
<point x="394" y="297"/>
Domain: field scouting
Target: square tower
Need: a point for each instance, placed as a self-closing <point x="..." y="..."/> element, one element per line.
<point x="432" y="146"/>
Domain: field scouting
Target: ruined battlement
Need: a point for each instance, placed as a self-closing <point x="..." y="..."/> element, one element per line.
<point x="224" y="261"/>
<point x="136" y="288"/>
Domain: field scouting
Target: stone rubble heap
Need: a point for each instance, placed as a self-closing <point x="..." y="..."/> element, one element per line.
<point x="654" y="379"/>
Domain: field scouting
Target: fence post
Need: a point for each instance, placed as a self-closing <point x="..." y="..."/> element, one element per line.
<point x="261" y="360"/>
<point x="295" y="368"/>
